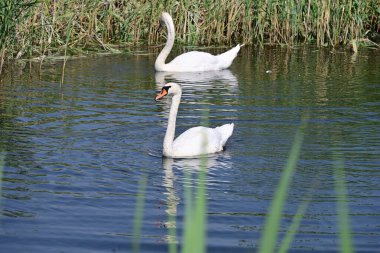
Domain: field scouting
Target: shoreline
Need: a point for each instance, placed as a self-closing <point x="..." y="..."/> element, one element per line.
<point x="32" y="29"/>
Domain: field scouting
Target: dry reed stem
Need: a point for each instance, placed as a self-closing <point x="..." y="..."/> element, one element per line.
<point x="100" y="23"/>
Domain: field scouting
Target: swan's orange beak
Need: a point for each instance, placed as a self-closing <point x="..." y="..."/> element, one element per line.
<point x="162" y="94"/>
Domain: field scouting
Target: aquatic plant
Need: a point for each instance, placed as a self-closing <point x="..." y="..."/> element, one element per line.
<point x="2" y="164"/>
<point x="342" y="207"/>
<point x="12" y="14"/>
<point x="293" y="228"/>
<point x="68" y="35"/>
<point x="196" y="211"/>
<point x="139" y="211"/>
<point x="269" y="237"/>
<point x="273" y="218"/>
<point x="100" y="25"/>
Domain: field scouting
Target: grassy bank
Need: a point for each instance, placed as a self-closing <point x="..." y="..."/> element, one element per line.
<point x="32" y="28"/>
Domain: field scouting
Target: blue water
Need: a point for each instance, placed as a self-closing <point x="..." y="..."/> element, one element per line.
<point x="75" y="156"/>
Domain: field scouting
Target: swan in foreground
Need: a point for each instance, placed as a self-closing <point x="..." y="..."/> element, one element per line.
<point x="195" y="141"/>
<point x="193" y="61"/>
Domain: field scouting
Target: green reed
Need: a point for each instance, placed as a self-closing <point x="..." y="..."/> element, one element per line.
<point x="101" y="24"/>
<point x="2" y="165"/>
<point x="270" y="232"/>
<point x="196" y="211"/>
<point x="293" y="228"/>
<point x="12" y="14"/>
<point x="68" y="36"/>
<point x="342" y="207"/>
<point x="139" y="211"/>
<point x="272" y="224"/>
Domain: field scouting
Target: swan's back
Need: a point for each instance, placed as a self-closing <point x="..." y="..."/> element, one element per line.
<point x="193" y="61"/>
<point x="201" y="140"/>
<point x="196" y="61"/>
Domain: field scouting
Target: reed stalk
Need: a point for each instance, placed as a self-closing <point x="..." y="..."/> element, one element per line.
<point x="12" y="14"/>
<point x="342" y="207"/>
<point x="139" y="211"/>
<point x="2" y="165"/>
<point x="68" y="36"/>
<point x="196" y="210"/>
<point x="269" y="235"/>
<point x="38" y="29"/>
<point x="289" y="236"/>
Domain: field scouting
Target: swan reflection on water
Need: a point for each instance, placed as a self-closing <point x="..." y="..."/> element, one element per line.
<point x="180" y="173"/>
<point x="198" y="80"/>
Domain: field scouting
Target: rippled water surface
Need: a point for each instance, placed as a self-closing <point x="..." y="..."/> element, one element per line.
<point x="75" y="156"/>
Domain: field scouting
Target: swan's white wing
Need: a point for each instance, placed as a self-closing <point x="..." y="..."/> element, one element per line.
<point x="225" y="60"/>
<point x="197" y="141"/>
<point x="195" y="61"/>
<point x="201" y="140"/>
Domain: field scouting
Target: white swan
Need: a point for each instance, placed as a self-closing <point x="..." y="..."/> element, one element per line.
<point x="193" y="61"/>
<point x="195" y="141"/>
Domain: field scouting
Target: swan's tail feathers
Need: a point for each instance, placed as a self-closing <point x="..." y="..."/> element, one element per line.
<point x="225" y="131"/>
<point x="225" y="60"/>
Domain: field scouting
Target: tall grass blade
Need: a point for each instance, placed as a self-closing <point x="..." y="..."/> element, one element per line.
<point x="12" y="13"/>
<point x="272" y="223"/>
<point x="2" y="165"/>
<point x="297" y="218"/>
<point x="68" y="36"/>
<point x="196" y="216"/>
<point x="139" y="211"/>
<point x="288" y="239"/>
<point x="41" y="31"/>
<point x="187" y="232"/>
<point x="342" y="207"/>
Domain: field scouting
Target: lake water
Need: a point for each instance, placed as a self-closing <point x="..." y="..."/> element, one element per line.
<point x="75" y="156"/>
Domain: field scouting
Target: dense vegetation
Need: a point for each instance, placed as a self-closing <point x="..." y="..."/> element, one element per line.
<point x="30" y="28"/>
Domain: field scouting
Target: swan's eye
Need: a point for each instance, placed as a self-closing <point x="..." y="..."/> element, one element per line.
<point x="166" y="88"/>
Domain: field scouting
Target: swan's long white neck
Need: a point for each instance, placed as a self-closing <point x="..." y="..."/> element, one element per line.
<point x="170" y="131"/>
<point x="160" y="61"/>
